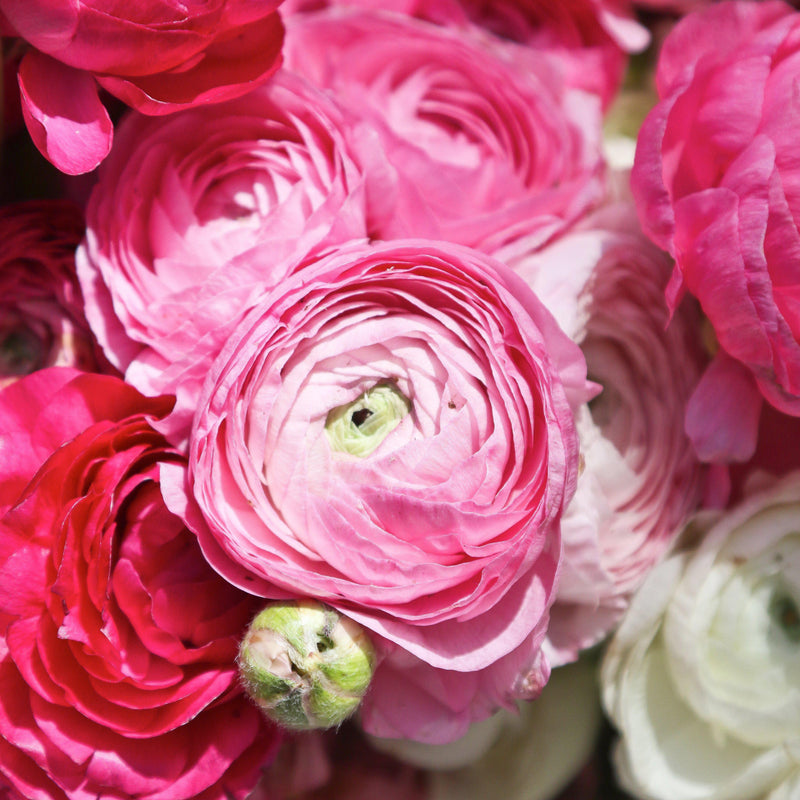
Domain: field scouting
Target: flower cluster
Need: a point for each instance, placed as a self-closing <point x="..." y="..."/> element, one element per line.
<point x="360" y="380"/>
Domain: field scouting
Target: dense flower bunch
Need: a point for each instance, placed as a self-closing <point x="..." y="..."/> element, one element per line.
<point x="372" y="395"/>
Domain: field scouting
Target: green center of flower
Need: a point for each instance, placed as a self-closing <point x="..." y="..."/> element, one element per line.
<point x="785" y="614"/>
<point x="358" y="428"/>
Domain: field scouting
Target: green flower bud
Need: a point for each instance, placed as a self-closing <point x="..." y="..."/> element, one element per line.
<point x="305" y="665"/>
<point x="359" y="427"/>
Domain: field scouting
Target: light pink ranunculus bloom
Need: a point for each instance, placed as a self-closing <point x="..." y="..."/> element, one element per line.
<point x="391" y="431"/>
<point x="118" y="647"/>
<point x="196" y="214"/>
<point x="42" y="321"/>
<point x="157" y="56"/>
<point x="589" y="38"/>
<point x="716" y="181"/>
<point x="486" y="145"/>
<point x="641" y="478"/>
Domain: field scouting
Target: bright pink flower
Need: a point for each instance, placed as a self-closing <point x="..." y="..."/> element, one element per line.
<point x="391" y="432"/>
<point x="117" y="663"/>
<point x="41" y="308"/>
<point x="196" y="214"/>
<point x="487" y="145"/>
<point x="641" y="478"/>
<point x="158" y="56"/>
<point x="716" y="181"/>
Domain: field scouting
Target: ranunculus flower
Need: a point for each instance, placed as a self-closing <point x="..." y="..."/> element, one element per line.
<point x="641" y="479"/>
<point x="391" y="432"/>
<point x="701" y="679"/>
<point x="715" y="178"/>
<point x="158" y="57"/>
<point x="41" y="308"/>
<point x="117" y="661"/>
<point x="589" y="38"/>
<point x="487" y="147"/>
<point x="196" y="214"/>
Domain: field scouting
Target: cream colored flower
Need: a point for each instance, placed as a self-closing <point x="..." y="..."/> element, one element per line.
<point x="703" y="677"/>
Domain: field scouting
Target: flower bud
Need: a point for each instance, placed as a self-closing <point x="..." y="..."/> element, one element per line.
<point x="305" y="665"/>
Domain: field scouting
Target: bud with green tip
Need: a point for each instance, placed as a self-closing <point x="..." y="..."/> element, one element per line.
<point x="305" y="665"/>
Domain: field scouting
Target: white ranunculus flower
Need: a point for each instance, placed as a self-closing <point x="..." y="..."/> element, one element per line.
<point x="703" y="677"/>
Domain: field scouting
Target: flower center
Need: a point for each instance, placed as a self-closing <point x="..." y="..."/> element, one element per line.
<point x="358" y="428"/>
<point x="786" y="615"/>
<point x="20" y="352"/>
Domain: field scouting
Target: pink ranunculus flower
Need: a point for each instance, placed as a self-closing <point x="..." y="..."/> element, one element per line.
<point x="487" y="146"/>
<point x="715" y="179"/>
<point x="391" y="431"/>
<point x="589" y="38"/>
<point x="197" y="213"/>
<point x="117" y="660"/>
<point x="42" y="322"/>
<point x="158" y="57"/>
<point x="641" y="478"/>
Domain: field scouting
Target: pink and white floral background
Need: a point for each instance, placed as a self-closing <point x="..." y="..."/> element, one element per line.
<point x="476" y="321"/>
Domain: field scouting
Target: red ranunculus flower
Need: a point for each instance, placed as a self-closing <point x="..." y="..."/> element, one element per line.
<point x="156" y="55"/>
<point x="41" y="307"/>
<point x="117" y="663"/>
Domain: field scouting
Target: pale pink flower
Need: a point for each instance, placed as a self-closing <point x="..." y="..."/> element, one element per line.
<point x="391" y="432"/>
<point x="590" y="39"/>
<point x="196" y="214"/>
<point x="641" y="478"/>
<point x="487" y="144"/>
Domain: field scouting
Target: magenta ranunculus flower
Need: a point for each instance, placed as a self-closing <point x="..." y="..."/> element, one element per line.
<point x="716" y="181"/>
<point x="117" y="661"/>
<point x="157" y="56"/>
<point x="196" y="214"/>
<point x="487" y="145"/>
<point x="42" y="321"/>
<point x="391" y="431"/>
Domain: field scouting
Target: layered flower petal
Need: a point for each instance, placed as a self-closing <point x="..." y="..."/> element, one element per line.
<point x="442" y="537"/>
<point x="117" y="660"/>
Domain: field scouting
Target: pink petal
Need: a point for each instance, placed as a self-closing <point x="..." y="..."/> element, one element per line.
<point x="63" y="113"/>
<point x="722" y="414"/>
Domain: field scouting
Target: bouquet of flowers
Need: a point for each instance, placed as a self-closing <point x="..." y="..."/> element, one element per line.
<point x="400" y="399"/>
